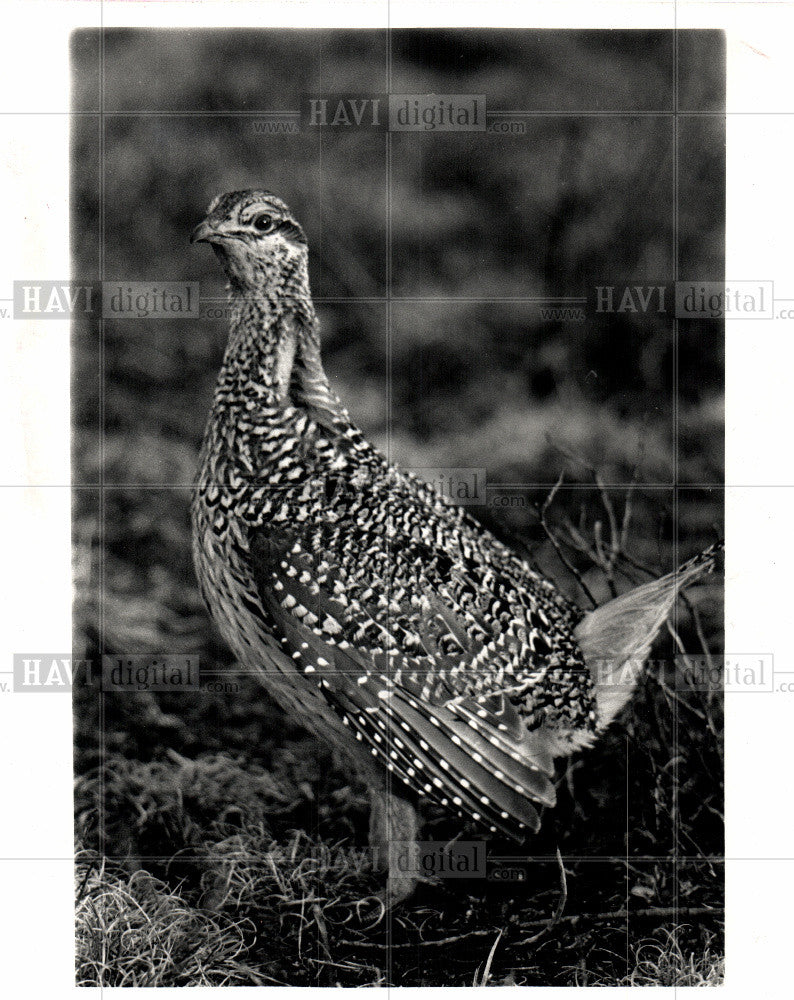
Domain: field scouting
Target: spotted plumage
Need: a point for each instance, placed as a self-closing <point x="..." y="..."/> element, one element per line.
<point x="379" y="614"/>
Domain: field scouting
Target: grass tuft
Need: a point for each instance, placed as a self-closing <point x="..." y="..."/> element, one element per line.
<point x="135" y="931"/>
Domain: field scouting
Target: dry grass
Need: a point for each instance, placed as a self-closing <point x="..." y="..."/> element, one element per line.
<point x="134" y="931"/>
<point x="665" y="963"/>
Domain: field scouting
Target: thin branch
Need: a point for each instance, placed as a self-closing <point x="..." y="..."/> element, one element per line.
<point x="557" y="548"/>
<point x="636" y="564"/>
<point x="676" y="639"/>
<point x="679" y="644"/>
<point x="662" y="912"/>
<point x="628" y="507"/>
<point x="557" y="915"/>
<point x="433" y="943"/>
<point x="698" y="628"/>
<point x="608" y="561"/>
<point x="674" y="696"/>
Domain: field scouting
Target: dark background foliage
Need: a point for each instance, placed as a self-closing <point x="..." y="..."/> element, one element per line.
<point x="433" y="246"/>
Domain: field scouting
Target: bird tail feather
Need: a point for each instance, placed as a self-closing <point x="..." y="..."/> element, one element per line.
<point x="617" y="637"/>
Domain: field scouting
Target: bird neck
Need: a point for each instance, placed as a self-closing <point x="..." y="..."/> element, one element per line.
<point x="273" y="353"/>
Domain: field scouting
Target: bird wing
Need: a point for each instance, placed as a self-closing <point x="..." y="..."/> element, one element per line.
<point x="473" y="753"/>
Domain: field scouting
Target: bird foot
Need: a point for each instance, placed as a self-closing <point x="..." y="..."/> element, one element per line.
<point x="393" y="830"/>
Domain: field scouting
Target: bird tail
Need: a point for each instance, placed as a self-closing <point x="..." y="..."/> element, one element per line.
<point x="617" y="637"/>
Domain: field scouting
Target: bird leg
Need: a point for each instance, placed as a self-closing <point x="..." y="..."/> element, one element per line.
<point x="393" y="828"/>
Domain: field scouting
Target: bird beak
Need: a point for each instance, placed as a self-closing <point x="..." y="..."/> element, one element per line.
<point x="204" y="233"/>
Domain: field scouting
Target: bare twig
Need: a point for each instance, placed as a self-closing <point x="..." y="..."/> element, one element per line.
<point x="680" y="646"/>
<point x="433" y="943"/>
<point x="661" y="912"/>
<point x="608" y="561"/>
<point x="698" y="623"/>
<point x="673" y="696"/>
<point x="555" y="917"/>
<point x="636" y="564"/>
<point x="557" y="548"/>
<point x="635" y="475"/>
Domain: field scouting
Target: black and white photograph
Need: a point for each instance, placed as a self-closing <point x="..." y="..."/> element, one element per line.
<point x="418" y="659"/>
<point x="397" y="504"/>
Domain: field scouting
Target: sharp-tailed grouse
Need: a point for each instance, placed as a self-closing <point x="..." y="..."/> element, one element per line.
<point x="379" y="615"/>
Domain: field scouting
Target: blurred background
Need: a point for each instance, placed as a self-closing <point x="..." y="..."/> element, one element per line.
<point x="435" y="242"/>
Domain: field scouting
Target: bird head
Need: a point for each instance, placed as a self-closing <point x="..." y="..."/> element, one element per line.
<point x="256" y="238"/>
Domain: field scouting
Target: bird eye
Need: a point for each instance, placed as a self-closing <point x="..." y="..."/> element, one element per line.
<point x="264" y="223"/>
